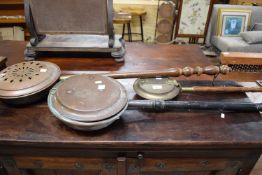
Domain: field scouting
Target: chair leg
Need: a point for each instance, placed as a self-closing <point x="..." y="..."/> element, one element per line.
<point x="129" y="32"/>
<point x="123" y="31"/>
<point x="193" y="40"/>
<point x="141" y="28"/>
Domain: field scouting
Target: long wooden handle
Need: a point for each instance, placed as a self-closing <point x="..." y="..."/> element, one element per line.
<point x="174" y="72"/>
<point x="221" y="89"/>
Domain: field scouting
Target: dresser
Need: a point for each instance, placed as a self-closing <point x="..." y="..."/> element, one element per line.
<point x="34" y="142"/>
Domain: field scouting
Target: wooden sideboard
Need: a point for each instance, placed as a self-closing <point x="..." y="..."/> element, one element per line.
<point x="13" y="8"/>
<point x="34" y="142"/>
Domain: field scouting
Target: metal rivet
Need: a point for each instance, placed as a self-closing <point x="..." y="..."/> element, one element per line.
<point x="79" y="165"/>
<point x="161" y="165"/>
<point x="140" y="156"/>
<point x="204" y="163"/>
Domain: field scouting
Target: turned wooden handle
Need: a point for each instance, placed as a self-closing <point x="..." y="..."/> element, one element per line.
<point x="174" y="72"/>
<point x="221" y="89"/>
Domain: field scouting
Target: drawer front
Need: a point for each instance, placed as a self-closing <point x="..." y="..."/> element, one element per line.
<point x="183" y="166"/>
<point x="119" y="166"/>
<point x="59" y="165"/>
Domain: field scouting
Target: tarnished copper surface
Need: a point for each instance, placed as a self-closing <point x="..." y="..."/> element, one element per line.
<point x="27" y="78"/>
<point x="157" y="88"/>
<point x="87" y="98"/>
<point x="90" y="126"/>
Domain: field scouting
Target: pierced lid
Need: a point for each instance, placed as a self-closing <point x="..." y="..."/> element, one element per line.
<point x="157" y="88"/>
<point x="87" y="98"/>
<point x="27" y="78"/>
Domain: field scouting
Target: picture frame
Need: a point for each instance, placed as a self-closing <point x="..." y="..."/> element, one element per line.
<point x="231" y="22"/>
<point x="193" y="18"/>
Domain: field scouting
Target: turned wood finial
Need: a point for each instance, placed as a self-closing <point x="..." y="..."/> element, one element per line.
<point x="209" y="70"/>
<point x="199" y="70"/>
<point x="224" y="69"/>
<point x="188" y="71"/>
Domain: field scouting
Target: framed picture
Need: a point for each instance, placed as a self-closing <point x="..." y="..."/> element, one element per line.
<point x="193" y="18"/>
<point x="231" y="22"/>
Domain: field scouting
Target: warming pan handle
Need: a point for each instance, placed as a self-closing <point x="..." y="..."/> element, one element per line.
<point x="195" y="105"/>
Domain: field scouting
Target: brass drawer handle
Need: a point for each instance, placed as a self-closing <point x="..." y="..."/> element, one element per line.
<point x="140" y="156"/>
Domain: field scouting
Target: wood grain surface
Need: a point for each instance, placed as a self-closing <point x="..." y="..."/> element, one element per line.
<point x="157" y="142"/>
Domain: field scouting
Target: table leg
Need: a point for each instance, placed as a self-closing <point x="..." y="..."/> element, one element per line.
<point x="141" y="28"/>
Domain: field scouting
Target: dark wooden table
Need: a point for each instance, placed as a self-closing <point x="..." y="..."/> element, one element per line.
<point x="32" y="141"/>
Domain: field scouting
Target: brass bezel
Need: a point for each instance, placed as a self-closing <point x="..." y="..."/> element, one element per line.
<point x="142" y="92"/>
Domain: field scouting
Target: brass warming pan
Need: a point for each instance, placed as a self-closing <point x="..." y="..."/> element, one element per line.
<point x="167" y="88"/>
<point x="27" y="82"/>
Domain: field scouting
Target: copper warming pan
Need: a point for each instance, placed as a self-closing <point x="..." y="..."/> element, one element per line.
<point x="92" y="102"/>
<point x="27" y="82"/>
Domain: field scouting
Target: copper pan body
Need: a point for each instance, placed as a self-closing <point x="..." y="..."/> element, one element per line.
<point x="27" y="82"/>
<point x="88" y="102"/>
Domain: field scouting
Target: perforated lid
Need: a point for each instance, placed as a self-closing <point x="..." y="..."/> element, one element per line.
<point x="27" y="78"/>
<point x="157" y="88"/>
<point x="87" y="98"/>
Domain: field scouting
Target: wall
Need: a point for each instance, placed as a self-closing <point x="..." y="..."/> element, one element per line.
<point x="149" y="20"/>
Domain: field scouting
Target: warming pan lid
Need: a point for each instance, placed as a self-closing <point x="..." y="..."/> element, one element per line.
<point x="157" y="88"/>
<point x="27" y="78"/>
<point x="87" y="98"/>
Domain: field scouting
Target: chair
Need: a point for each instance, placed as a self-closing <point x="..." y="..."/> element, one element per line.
<point x="124" y="19"/>
<point x="137" y="13"/>
<point x="232" y="44"/>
